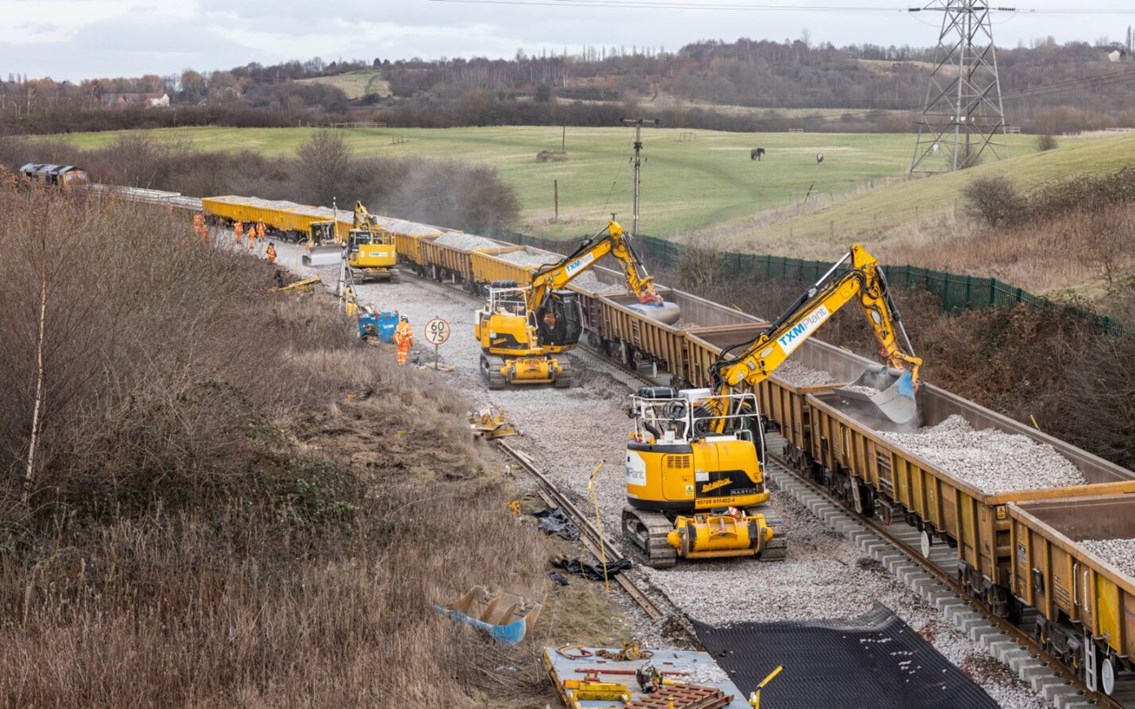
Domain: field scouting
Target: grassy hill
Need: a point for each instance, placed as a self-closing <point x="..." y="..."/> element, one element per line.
<point x="355" y="84"/>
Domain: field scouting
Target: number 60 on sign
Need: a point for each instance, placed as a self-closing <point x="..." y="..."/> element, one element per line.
<point x="437" y="331"/>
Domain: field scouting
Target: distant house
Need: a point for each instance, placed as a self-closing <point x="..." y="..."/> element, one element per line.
<point x="149" y="100"/>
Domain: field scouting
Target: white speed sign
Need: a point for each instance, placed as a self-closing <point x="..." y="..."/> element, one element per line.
<point x="437" y="331"/>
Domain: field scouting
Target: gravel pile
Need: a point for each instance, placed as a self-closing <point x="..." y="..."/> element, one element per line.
<point x="1120" y="553"/>
<point x="861" y="389"/>
<point x="571" y="431"/>
<point x="589" y="282"/>
<point x="464" y="242"/>
<point x="795" y="374"/>
<point x="524" y="258"/>
<point x="992" y="461"/>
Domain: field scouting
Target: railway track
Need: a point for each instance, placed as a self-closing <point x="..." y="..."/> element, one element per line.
<point x="590" y="535"/>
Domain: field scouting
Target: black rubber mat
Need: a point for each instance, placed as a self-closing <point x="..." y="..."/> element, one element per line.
<point x="875" y="661"/>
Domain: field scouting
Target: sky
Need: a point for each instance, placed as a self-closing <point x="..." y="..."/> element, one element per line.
<point x="87" y="39"/>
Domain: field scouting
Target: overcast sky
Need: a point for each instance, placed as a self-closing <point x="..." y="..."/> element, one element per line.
<point x="84" y="39"/>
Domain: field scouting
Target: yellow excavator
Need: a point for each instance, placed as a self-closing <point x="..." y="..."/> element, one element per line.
<point x="368" y="250"/>
<point x="694" y="473"/>
<point x="522" y="327"/>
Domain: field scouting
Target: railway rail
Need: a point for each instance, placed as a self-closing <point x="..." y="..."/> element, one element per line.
<point x="590" y="535"/>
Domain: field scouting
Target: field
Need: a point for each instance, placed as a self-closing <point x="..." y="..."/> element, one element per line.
<point x="691" y="180"/>
<point x="702" y="185"/>
<point x="355" y="84"/>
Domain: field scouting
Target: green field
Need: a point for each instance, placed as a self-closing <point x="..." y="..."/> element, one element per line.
<point x="698" y="182"/>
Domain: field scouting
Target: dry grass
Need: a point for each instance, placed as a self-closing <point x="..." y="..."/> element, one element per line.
<point x="1079" y="252"/>
<point x="213" y="520"/>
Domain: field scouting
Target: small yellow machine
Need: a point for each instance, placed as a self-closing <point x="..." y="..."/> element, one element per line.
<point x="694" y="462"/>
<point x="522" y="327"/>
<point x="368" y="250"/>
<point x="490" y="423"/>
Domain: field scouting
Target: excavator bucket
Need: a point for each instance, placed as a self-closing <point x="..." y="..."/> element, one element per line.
<point x="665" y="311"/>
<point x="329" y="255"/>
<point x="890" y="392"/>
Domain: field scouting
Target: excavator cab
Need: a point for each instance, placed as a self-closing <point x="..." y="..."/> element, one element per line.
<point x="558" y="322"/>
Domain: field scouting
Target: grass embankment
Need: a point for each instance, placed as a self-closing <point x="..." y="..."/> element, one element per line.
<point x="210" y="520"/>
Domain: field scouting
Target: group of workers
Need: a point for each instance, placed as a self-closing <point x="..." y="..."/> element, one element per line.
<point x="256" y="231"/>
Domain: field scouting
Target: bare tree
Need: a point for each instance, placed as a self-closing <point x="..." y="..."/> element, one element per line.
<point x="324" y="158"/>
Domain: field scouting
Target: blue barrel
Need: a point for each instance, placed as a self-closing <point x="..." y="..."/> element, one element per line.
<point x="386" y="324"/>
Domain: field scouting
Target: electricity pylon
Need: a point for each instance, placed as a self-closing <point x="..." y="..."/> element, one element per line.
<point x="962" y="118"/>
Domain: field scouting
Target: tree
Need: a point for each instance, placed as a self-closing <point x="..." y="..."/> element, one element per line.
<point x="324" y="159"/>
<point x="192" y="86"/>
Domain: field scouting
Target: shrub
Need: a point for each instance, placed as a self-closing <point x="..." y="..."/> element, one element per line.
<point x="1046" y="141"/>
<point x="995" y="201"/>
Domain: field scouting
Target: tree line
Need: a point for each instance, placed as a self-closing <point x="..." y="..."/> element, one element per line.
<point x="1047" y="88"/>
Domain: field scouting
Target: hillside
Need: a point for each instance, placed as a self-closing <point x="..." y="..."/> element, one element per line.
<point x="354" y="84"/>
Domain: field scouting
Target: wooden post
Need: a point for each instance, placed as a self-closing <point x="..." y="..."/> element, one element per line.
<point x="556" y="199"/>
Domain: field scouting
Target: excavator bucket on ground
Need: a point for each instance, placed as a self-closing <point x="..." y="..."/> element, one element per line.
<point x="887" y="391"/>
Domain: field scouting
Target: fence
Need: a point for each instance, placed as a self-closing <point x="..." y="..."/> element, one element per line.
<point x="955" y="292"/>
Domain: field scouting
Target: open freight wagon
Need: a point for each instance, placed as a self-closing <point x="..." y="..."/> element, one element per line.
<point x="1073" y="561"/>
<point x="952" y="495"/>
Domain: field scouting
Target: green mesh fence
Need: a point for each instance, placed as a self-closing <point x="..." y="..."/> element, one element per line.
<point x="955" y="292"/>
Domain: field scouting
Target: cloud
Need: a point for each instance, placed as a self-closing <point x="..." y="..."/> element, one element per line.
<point x="78" y="39"/>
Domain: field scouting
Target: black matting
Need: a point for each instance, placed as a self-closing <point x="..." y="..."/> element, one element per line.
<point x="875" y="661"/>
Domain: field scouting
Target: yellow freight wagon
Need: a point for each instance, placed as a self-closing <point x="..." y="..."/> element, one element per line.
<point x="1084" y="601"/>
<point x="287" y="219"/>
<point x="877" y="476"/>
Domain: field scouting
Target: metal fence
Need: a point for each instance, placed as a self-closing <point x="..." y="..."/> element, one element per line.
<point x="955" y="292"/>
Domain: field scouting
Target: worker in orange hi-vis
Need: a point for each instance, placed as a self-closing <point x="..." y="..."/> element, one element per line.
<point x="260" y="229"/>
<point x="271" y="252"/>
<point x="238" y="231"/>
<point x="251" y="237"/>
<point x="403" y="338"/>
<point x="198" y="222"/>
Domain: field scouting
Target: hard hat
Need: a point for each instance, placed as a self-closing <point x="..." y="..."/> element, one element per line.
<point x="405" y="319"/>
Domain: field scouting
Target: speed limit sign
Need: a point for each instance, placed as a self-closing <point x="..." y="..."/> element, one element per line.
<point x="437" y="331"/>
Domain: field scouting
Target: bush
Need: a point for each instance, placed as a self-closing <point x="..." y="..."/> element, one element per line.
<point x="995" y="201"/>
<point x="1046" y="141"/>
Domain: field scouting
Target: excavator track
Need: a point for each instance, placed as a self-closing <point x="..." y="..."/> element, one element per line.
<point x="492" y="372"/>
<point x="563" y="381"/>
<point x="776" y="549"/>
<point x="647" y="532"/>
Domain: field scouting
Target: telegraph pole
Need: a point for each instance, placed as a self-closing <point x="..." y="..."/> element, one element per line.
<point x="962" y="116"/>
<point x="638" y="124"/>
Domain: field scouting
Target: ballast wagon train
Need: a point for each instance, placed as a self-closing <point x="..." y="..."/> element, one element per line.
<point x="1031" y="519"/>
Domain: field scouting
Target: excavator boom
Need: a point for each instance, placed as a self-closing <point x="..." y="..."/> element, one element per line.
<point x="862" y="280"/>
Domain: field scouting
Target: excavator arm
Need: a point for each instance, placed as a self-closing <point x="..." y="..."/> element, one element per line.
<point x="613" y="240"/>
<point x="863" y="280"/>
